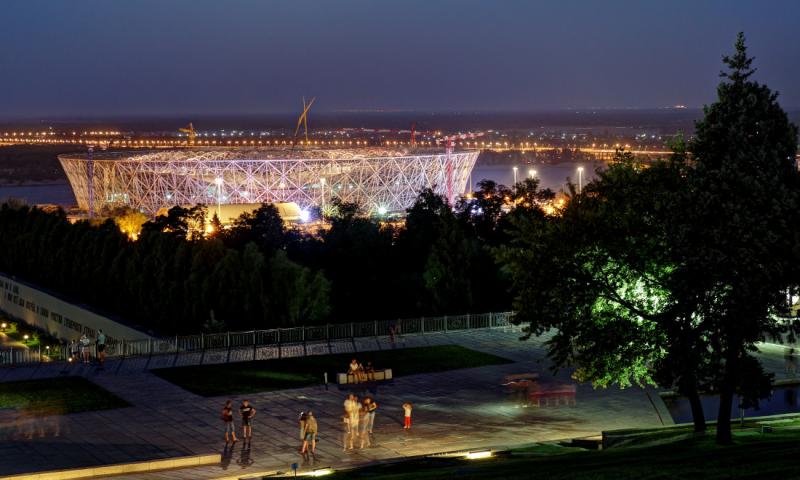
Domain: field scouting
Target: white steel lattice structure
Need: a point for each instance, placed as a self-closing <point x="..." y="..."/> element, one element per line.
<point x="378" y="179"/>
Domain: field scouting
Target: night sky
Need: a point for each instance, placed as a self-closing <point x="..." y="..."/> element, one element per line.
<point x="100" y="57"/>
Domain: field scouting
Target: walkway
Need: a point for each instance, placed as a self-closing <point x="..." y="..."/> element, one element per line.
<point x="453" y="410"/>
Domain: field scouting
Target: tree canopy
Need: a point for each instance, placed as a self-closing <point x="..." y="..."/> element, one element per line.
<point x="672" y="274"/>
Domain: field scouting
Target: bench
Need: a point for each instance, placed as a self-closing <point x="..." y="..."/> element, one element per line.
<point x="345" y="378"/>
<point x="519" y="380"/>
<point x="557" y="393"/>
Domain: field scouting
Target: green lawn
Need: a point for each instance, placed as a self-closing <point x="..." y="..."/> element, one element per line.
<point x="53" y="396"/>
<point x="278" y="374"/>
<point x="753" y="456"/>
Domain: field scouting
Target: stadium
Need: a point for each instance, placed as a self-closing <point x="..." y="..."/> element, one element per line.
<point x="380" y="180"/>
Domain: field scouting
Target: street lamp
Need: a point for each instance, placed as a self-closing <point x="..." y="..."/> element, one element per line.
<point x="322" y="186"/>
<point x="515" y="180"/>
<point x="218" y="181"/>
<point x="580" y="179"/>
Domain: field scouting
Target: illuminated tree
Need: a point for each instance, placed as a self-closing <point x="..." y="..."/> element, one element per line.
<point x="738" y="232"/>
<point x="601" y="274"/>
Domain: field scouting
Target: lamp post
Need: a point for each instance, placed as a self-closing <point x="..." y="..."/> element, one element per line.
<point x="218" y="181"/>
<point x="515" y="180"/>
<point x="580" y="179"/>
<point x="322" y="186"/>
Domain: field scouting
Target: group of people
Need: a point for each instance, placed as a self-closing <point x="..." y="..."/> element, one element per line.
<point x="361" y="373"/>
<point x="80" y="349"/>
<point x="358" y="420"/>
<point x="247" y="412"/>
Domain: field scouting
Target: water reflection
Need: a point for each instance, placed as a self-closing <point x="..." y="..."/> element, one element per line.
<point x="783" y="400"/>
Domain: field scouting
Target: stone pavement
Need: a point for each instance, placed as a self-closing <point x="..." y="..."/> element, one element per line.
<point x="461" y="409"/>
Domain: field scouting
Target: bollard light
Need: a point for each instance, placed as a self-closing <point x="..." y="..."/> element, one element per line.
<point x="321" y="472"/>
<point x="478" y="455"/>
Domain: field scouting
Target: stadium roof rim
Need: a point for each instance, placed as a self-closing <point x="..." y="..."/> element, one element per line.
<point x="274" y="154"/>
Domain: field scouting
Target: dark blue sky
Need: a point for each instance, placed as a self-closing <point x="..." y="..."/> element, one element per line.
<point x="101" y="57"/>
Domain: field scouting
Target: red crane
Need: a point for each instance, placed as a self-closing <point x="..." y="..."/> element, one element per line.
<point x="449" y="139"/>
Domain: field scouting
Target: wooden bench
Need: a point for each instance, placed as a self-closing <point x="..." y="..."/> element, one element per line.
<point x="378" y="375"/>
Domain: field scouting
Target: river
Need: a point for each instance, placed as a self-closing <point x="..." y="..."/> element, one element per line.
<point x="551" y="176"/>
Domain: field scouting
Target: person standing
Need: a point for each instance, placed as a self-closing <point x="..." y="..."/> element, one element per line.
<point x="354" y="417"/>
<point x="372" y="408"/>
<point x="227" y="418"/>
<point x="350" y="404"/>
<point x="84" y="343"/>
<point x="310" y="434"/>
<point x="407" y="407"/>
<point x="247" y="412"/>
<point x="101" y="347"/>
<point x="790" y="361"/>
<point x="73" y="350"/>
<point x="363" y="423"/>
<point x="347" y="438"/>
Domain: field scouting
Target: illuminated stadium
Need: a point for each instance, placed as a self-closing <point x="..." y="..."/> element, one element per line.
<point x="380" y="180"/>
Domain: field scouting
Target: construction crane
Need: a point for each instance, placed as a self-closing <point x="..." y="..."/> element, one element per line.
<point x="189" y="130"/>
<point x="449" y="145"/>
<point x="303" y="120"/>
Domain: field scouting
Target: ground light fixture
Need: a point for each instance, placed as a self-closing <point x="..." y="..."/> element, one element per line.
<point x="382" y="211"/>
<point x="478" y="455"/>
<point x="320" y="472"/>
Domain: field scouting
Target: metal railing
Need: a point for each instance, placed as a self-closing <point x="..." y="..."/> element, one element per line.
<point x="273" y="343"/>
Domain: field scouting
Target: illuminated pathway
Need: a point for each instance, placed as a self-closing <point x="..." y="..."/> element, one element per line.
<point x="453" y="410"/>
<point x="462" y="409"/>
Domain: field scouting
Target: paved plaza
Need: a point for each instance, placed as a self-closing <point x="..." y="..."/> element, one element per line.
<point x="455" y="410"/>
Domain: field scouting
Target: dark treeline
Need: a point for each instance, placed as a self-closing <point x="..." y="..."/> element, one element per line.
<point x="260" y="274"/>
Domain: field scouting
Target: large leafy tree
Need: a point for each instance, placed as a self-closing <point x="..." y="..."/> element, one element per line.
<point x="738" y="235"/>
<point x="600" y="274"/>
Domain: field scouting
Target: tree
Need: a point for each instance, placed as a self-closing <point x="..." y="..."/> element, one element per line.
<point x="264" y="227"/>
<point x="128" y="220"/>
<point x="600" y="274"/>
<point x="483" y="211"/>
<point x="738" y="238"/>
<point x="447" y="270"/>
<point x="298" y="295"/>
<point x="174" y="222"/>
<point x="216" y="229"/>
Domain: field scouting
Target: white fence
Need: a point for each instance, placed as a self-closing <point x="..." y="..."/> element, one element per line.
<point x="274" y="343"/>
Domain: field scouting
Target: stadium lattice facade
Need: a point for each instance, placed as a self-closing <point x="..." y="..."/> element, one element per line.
<point x="379" y="180"/>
